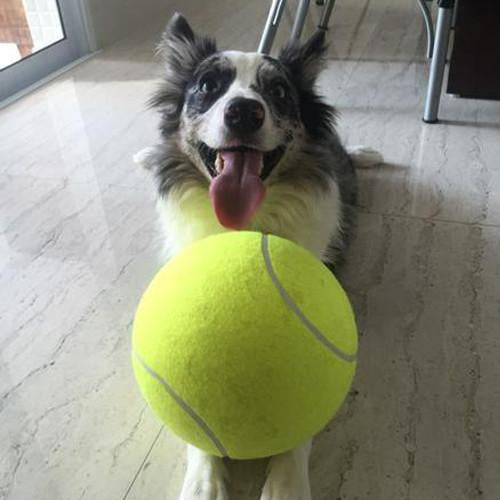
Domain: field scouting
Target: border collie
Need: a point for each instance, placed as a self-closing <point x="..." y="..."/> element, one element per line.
<point x="247" y="143"/>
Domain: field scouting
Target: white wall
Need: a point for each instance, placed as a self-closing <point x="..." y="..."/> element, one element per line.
<point x="111" y="20"/>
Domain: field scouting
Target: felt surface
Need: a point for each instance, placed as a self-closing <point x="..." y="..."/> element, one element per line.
<point x="214" y="326"/>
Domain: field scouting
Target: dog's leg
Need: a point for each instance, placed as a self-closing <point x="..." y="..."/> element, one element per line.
<point x="364" y="157"/>
<point x="288" y="476"/>
<point x="143" y="157"/>
<point x="205" y="477"/>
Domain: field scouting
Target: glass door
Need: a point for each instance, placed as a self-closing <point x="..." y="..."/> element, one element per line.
<point x="38" y="37"/>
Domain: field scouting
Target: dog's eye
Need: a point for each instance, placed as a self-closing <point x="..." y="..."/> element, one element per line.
<point x="279" y="91"/>
<point x="208" y="84"/>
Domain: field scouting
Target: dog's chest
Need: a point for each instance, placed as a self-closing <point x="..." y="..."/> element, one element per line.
<point x="300" y="215"/>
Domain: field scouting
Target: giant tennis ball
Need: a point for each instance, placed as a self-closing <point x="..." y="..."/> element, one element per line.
<point x="244" y="345"/>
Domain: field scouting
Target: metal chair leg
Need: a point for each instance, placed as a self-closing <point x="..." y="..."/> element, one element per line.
<point x="325" y="16"/>
<point x="274" y="17"/>
<point x="454" y="20"/>
<point x="300" y="19"/>
<point x="428" y="25"/>
<point x="271" y="27"/>
<point x="438" y="62"/>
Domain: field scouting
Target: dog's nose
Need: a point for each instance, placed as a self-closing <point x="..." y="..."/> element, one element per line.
<point x="244" y="115"/>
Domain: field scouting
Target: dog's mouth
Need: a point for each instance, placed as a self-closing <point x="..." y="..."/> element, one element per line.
<point x="214" y="158"/>
<point x="237" y="181"/>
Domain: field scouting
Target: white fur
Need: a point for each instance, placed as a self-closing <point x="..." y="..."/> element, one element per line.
<point x="140" y="158"/>
<point x="365" y="157"/>
<point x="205" y="477"/>
<point x="288" y="475"/>
<point x="212" y="130"/>
<point x="187" y="216"/>
<point x="301" y="215"/>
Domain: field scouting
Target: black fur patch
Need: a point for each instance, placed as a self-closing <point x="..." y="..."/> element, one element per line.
<point x="219" y="71"/>
<point x="182" y="52"/>
<point x="303" y="63"/>
<point x="171" y="168"/>
<point x="270" y="78"/>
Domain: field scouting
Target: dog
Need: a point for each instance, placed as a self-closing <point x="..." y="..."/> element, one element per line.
<point x="247" y="143"/>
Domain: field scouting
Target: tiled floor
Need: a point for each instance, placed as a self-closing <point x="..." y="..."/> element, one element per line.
<point x="79" y="242"/>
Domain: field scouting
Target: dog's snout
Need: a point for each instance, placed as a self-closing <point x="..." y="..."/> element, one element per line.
<point x="244" y="115"/>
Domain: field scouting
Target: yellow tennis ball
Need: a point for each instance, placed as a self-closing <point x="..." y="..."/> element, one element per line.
<point x="244" y="345"/>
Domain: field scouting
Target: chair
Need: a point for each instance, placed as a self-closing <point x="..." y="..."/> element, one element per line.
<point x="437" y="40"/>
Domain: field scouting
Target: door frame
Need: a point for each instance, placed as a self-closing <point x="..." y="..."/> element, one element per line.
<point x="79" y="41"/>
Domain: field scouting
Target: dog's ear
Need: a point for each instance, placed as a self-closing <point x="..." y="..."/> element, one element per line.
<point x="181" y="51"/>
<point x="305" y="61"/>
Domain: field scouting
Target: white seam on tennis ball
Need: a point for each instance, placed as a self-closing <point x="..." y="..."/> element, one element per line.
<point x="170" y="391"/>
<point x="295" y="308"/>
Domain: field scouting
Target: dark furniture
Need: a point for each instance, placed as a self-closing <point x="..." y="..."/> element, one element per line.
<point x="475" y="60"/>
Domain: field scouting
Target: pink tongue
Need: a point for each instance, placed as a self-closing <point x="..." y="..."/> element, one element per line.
<point x="238" y="191"/>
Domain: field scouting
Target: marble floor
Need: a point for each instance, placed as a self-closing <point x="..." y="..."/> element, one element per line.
<point x="79" y="241"/>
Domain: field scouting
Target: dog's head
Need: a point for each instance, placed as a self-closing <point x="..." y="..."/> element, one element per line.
<point x="237" y="115"/>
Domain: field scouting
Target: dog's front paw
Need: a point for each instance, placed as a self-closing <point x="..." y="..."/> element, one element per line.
<point x="205" y="477"/>
<point x="204" y="489"/>
<point x="365" y="157"/>
<point x="288" y="476"/>
<point x="285" y="485"/>
<point x="143" y="157"/>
